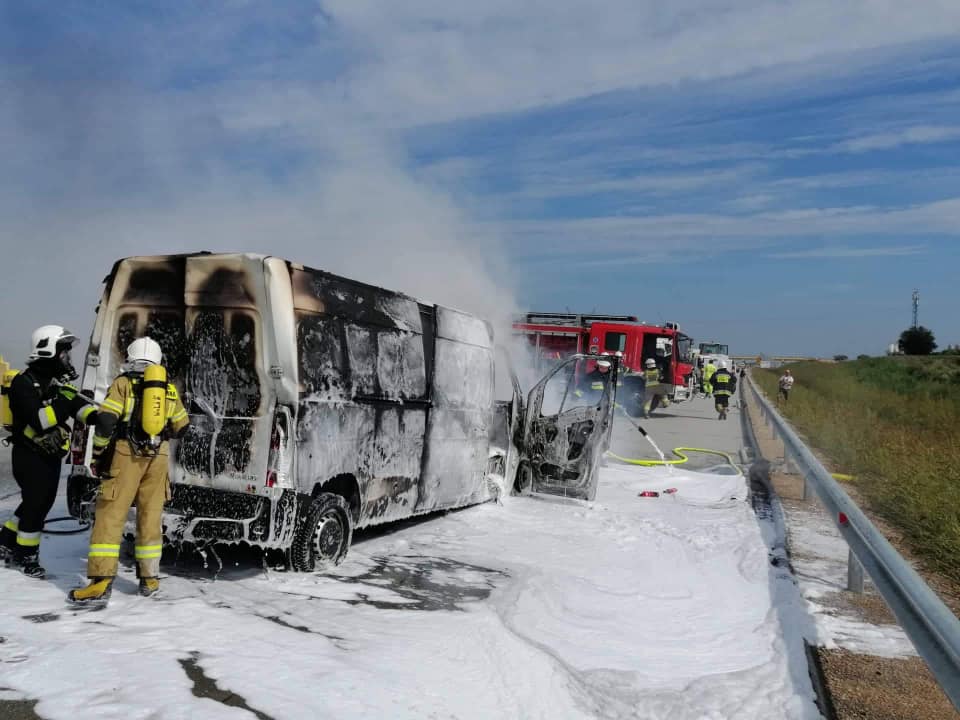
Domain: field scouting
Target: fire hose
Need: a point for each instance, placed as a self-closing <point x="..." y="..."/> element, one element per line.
<point x="680" y="452"/>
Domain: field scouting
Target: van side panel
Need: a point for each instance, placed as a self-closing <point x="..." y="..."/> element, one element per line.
<point x="461" y="413"/>
<point x="363" y="392"/>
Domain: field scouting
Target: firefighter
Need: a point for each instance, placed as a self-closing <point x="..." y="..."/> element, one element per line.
<point x="724" y="385"/>
<point x="708" y="371"/>
<point x="654" y="395"/>
<point x="594" y="382"/>
<point x="137" y="418"/>
<point x="41" y="403"/>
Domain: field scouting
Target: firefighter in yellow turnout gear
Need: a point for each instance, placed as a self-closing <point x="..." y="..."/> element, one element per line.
<point x="709" y="370"/>
<point x="655" y="393"/>
<point x="138" y="416"/>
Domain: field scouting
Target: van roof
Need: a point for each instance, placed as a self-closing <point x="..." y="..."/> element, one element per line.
<point x="250" y="256"/>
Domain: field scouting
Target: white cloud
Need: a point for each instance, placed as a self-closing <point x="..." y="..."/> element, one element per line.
<point x="752" y="202"/>
<point x="844" y="251"/>
<point x="828" y="181"/>
<point x="553" y="182"/>
<point x="434" y="60"/>
<point x="652" y="238"/>
<point x="921" y="134"/>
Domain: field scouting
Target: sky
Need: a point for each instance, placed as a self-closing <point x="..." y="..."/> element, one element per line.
<point x="777" y="175"/>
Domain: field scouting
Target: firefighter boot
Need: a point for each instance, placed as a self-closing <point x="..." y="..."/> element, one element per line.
<point x="149" y="586"/>
<point x="8" y="541"/>
<point x="96" y="593"/>
<point x="29" y="563"/>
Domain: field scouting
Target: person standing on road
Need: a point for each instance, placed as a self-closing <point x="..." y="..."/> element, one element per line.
<point x="139" y="415"/>
<point x="724" y="385"/>
<point x="653" y="387"/>
<point x="708" y="371"/>
<point x="41" y="405"/>
<point x="785" y="385"/>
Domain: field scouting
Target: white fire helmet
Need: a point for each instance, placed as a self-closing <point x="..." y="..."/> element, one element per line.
<point x="650" y="363"/>
<point x="144" y="351"/>
<point x="44" y="341"/>
<point x="603" y="363"/>
<point x="721" y="365"/>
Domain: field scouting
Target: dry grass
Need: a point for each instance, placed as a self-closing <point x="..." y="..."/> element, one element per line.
<point x="895" y="424"/>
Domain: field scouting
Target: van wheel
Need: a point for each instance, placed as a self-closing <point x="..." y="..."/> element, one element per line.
<point x="523" y="483"/>
<point x="323" y="535"/>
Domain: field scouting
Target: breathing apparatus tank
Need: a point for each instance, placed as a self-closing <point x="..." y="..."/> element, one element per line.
<point x="6" y="414"/>
<point x="153" y="409"/>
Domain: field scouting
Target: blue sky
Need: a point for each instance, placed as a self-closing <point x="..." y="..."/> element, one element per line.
<point x="776" y="175"/>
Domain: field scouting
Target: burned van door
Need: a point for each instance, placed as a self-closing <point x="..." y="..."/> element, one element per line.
<point x="223" y="377"/>
<point x="567" y="427"/>
<point x="461" y="413"/>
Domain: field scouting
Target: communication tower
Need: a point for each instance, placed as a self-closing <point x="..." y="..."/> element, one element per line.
<point x="916" y="308"/>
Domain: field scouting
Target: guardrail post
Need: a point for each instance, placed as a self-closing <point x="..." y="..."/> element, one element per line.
<point x="854" y="573"/>
<point x="790" y="465"/>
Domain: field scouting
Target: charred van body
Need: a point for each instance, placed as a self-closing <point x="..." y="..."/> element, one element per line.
<point x="318" y="404"/>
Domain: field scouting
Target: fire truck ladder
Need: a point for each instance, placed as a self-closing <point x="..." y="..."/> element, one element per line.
<point x="572" y="319"/>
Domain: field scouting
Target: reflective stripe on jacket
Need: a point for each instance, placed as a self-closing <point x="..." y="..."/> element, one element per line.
<point x="724" y="382"/>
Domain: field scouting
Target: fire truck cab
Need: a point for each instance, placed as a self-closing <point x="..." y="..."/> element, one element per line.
<point x="554" y="336"/>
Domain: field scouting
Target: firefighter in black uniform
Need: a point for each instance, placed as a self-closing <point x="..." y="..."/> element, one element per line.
<point x="593" y="384"/>
<point x="41" y="405"/>
<point x="724" y="385"/>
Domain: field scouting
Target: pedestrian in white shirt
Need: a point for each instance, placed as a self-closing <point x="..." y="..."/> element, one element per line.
<point x="786" y="384"/>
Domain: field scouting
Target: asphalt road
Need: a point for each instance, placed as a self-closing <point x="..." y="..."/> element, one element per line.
<point x="691" y="423"/>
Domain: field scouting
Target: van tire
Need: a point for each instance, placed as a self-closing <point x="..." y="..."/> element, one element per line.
<point x="523" y="481"/>
<point x="323" y="534"/>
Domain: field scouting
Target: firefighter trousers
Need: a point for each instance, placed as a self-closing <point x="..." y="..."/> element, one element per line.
<point x="132" y="478"/>
<point x="38" y="476"/>
<point x="653" y="398"/>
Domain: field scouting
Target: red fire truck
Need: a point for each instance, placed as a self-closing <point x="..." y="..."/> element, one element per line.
<point x="553" y="336"/>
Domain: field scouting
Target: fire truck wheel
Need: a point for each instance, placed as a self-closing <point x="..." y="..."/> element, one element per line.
<point x="323" y="534"/>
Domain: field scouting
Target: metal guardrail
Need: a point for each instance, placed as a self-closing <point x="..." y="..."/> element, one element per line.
<point x="931" y="626"/>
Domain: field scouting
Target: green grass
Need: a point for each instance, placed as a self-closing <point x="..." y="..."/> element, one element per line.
<point x="895" y="424"/>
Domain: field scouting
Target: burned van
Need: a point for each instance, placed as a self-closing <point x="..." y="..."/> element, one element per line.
<point x="319" y="404"/>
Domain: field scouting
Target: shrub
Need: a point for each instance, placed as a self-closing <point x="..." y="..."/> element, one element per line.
<point x="893" y="423"/>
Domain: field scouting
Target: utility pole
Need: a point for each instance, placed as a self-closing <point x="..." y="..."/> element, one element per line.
<point x="916" y="309"/>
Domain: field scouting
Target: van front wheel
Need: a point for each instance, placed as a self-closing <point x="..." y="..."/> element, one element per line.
<point x="323" y="535"/>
